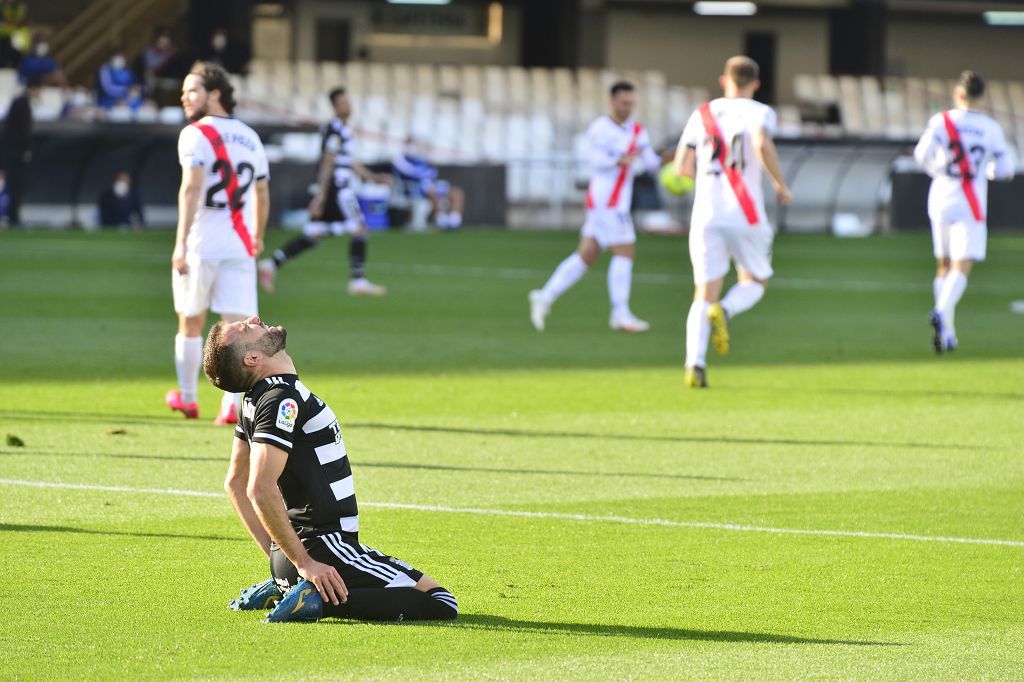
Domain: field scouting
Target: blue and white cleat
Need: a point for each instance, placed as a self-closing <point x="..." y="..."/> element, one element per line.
<point x="302" y="603"/>
<point x="261" y="596"/>
<point x="938" y="343"/>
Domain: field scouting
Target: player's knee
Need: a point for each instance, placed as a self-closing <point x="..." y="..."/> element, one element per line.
<point x="442" y="604"/>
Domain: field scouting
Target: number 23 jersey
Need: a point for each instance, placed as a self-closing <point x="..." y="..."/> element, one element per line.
<point x="241" y="163"/>
<point x="982" y="143"/>
<point x="714" y="200"/>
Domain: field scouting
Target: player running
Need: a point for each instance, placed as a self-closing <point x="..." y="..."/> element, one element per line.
<point x="334" y="209"/>
<point x="718" y="147"/>
<point x="223" y="205"/>
<point x="616" y="141"/>
<point x="962" y="150"/>
<point x="291" y="484"/>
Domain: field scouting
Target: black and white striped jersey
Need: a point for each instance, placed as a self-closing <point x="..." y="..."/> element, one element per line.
<point x="317" y="479"/>
<point x="339" y="140"/>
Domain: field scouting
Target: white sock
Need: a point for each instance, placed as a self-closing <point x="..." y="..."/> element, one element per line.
<point x="698" y="331"/>
<point x="937" y="289"/>
<point x="188" y="356"/>
<point x="952" y="290"/>
<point x="454" y="219"/>
<point x="620" y="280"/>
<point x="442" y="219"/>
<point x="741" y="297"/>
<point x="565" y="275"/>
<point x="228" y="400"/>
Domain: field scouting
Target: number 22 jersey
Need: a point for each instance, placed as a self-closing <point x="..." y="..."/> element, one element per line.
<point x="982" y="143"/>
<point x="239" y="164"/>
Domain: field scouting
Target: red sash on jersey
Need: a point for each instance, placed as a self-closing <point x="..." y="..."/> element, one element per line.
<point x="965" y="167"/>
<point x="221" y="152"/>
<point x="735" y="177"/>
<point x="613" y="200"/>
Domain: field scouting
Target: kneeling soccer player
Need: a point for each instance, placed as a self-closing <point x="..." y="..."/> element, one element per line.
<point x="291" y="484"/>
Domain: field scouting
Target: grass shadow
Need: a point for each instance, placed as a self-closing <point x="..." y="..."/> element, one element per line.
<point x="25" y="528"/>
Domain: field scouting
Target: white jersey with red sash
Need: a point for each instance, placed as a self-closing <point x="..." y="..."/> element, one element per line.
<point x="232" y="157"/>
<point x="728" y="190"/>
<point x="960" y="150"/>
<point x="611" y="185"/>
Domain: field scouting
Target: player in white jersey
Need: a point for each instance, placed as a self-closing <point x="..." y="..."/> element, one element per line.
<point x="223" y="206"/>
<point x="962" y="150"/>
<point x="724" y="146"/>
<point x="616" y="142"/>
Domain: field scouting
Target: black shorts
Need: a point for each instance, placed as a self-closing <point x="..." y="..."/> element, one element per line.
<point x="358" y="565"/>
<point x="341" y="206"/>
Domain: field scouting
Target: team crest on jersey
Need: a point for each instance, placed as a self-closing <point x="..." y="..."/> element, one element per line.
<point x="287" y="413"/>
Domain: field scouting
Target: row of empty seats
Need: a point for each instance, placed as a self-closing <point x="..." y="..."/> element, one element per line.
<point x="899" y="108"/>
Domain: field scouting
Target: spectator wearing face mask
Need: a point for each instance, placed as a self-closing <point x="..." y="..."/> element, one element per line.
<point x="119" y="205"/>
<point x="229" y="55"/>
<point x="39" y="63"/>
<point x="116" y="83"/>
<point x="157" y="66"/>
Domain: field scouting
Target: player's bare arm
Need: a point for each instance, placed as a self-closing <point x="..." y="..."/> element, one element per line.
<point x="323" y="182"/>
<point x="369" y="176"/>
<point x="265" y="468"/>
<point x="262" y="189"/>
<point x="685" y="161"/>
<point x="188" y="204"/>
<point x="236" y="484"/>
<point x="764" y="147"/>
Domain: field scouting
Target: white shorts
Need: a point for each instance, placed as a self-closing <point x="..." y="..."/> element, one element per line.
<point x="712" y="247"/>
<point x="225" y="286"/>
<point x="962" y="240"/>
<point x="609" y="227"/>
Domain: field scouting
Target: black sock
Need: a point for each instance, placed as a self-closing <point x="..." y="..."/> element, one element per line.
<point x="395" y="604"/>
<point x="357" y="257"/>
<point x="293" y="249"/>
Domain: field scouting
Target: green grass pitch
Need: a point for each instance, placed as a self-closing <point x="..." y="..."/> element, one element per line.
<point x="831" y="415"/>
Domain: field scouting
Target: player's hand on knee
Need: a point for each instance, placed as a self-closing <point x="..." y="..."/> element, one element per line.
<point x="327" y="581"/>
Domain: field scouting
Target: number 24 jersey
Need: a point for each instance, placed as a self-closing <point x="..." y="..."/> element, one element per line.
<point x="240" y="165"/>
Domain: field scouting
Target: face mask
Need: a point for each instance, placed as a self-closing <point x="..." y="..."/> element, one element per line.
<point x="163" y="42"/>
<point x="121" y="188"/>
<point x="220" y="41"/>
<point x="42" y="49"/>
<point x="118" y="62"/>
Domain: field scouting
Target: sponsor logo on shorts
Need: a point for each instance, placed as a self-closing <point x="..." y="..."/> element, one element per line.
<point x="287" y="413"/>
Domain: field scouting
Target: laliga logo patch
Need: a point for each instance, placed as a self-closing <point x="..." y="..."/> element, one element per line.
<point x="287" y="414"/>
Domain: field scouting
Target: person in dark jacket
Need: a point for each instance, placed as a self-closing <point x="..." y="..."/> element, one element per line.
<point x="119" y="205"/>
<point x="17" y="147"/>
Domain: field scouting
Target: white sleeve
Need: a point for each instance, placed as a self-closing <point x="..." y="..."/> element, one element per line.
<point x="929" y="152"/>
<point x="652" y="162"/>
<point x="192" y="147"/>
<point x="262" y="164"/>
<point x="769" y="119"/>
<point x="693" y="133"/>
<point x="1003" y="165"/>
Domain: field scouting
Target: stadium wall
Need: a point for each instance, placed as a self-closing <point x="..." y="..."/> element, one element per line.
<point x="691" y="50"/>
<point x="924" y="47"/>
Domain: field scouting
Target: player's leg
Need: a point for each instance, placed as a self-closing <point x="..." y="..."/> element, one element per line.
<point x="967" y="245"/>
<point x="710" y="259"/>
<point x="940" y="247"/>
<point x="568" y="272"/>
<point x="311" y="236"/>
<point x="450" y="201"/>
<point x="355" y="225"/>
<point x="750" y="248"/>
<point x="233" y="297"/>
<point x="620" y="283"/>
<point x="380" y="587"/>
<point x="191" y="301"/>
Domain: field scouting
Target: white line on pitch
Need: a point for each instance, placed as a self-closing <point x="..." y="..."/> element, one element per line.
<point x="556" y="515"/>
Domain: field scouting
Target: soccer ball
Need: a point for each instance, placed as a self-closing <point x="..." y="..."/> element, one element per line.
<point x="674" y="184"/>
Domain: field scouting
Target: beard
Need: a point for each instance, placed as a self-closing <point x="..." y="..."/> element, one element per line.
<point x="197" y="114"/>
<point x="273" y="343"/>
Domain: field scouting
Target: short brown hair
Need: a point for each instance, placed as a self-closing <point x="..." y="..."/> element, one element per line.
<point x="973" y="85"/>
<point x="223" y="362"/>
<point x="742" y="70"/>
<point x="216" y="78"/>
